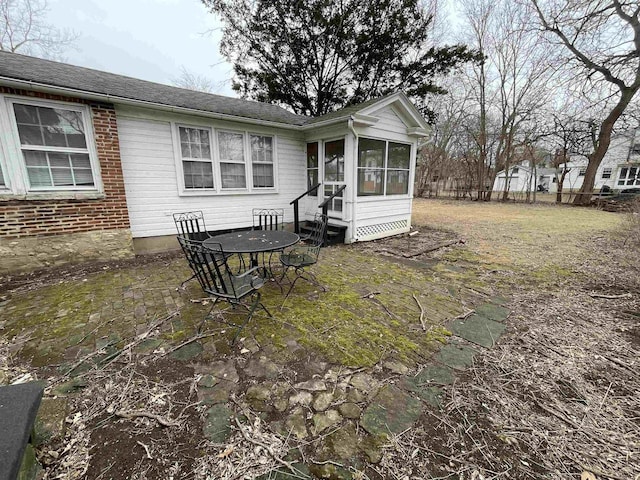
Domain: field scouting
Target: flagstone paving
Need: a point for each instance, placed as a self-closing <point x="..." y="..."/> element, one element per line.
<point x="300" y="395"/>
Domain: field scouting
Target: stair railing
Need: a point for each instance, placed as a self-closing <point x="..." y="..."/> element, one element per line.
<point x="325" y="208"/>
<point x="296" y="209"/>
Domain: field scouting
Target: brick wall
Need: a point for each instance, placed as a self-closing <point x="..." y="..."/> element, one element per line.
<point x="24" y="218"/>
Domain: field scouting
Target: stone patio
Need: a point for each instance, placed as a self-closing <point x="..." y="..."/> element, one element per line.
<point x="337" y="372"/>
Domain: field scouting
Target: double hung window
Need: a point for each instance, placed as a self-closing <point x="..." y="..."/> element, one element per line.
<point x="54" y="147"/>
<point x="218" y="160"/>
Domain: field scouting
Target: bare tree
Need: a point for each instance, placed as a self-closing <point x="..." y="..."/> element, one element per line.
<point x="24" y="29"/>
<point x="192" y="81"/>
<point x="602" y="40"/>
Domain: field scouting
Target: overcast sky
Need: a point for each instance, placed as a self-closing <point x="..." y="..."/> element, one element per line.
<point x="147" y="39"/>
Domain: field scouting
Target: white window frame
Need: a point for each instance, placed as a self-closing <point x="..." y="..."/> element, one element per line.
<point x="217" y="161"/>
<point x="13" y="164"/>
<point x="628" y="180"/>
<point x="180" y="159"/>
<point x="386" y="170"/>
<point x="272" y="163"/>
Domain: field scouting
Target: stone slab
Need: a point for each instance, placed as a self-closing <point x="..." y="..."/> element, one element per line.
<point x="479" y="330"/>
<point x="456" y="356"/>
<point x="392" y="411"/>
<point x="188" y="352"/>
<point x="435" y="374"/>
<point x="494" y="312"/>
<point x="217" y="426"/>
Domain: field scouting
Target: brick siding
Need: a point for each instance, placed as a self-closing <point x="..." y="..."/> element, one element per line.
<point x="24" y="218"/>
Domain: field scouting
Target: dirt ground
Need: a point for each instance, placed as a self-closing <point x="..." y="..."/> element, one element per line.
<point x="556" y="397"/>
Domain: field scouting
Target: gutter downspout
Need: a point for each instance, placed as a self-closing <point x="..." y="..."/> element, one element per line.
<point x="355" y="174"/>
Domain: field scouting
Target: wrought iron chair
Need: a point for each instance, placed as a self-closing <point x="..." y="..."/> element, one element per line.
<point x="268" y="218"/>
<point x="299" y="257"/>
<point x="191" y="226"/>
<point x="217" y="280"/>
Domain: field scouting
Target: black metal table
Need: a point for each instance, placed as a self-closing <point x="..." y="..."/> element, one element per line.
<point x="254" y="242"/>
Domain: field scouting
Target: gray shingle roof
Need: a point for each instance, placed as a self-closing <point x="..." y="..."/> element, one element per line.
<point x="346" y="111"/>
<point x="56" y="74"/>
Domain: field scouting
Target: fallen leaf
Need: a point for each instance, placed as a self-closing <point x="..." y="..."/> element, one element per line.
<point x="228" y="451"/>
<point x="587" y="476"/>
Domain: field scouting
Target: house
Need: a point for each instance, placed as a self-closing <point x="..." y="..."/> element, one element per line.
<point x="619" y="170"/>
<point x="524" y="178"/>
<point x="93" y="164"/>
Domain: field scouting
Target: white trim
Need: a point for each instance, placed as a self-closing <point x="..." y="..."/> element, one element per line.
<point x="16" y="174"/>
<point x="217" y="189"/>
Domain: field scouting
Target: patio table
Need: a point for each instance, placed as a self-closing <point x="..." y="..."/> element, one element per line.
<point x="254" y="242"/>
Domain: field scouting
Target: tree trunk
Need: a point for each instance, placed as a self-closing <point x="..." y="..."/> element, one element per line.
<point x="604" y="139"/>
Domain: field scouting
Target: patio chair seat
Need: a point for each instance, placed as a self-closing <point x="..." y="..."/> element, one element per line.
<point x="298" y="258"/>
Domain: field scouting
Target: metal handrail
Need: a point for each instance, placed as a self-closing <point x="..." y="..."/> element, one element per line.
<point x="325" y="205"/>
<point x="296" y="211"/>
<point x="315" y="187"/>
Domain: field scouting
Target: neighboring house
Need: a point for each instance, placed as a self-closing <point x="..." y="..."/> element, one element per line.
<point x="92" y="164"/>
<point x="619" y="170"/>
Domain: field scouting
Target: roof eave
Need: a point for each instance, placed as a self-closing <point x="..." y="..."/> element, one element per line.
<point x="41" y="87"/>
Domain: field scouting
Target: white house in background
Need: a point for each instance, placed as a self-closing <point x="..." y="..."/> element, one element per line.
<point x="619" y="170"/>
<point x="83" y="150"/>
<point x="523" y="178"/>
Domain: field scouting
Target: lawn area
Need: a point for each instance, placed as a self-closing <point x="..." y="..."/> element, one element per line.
<point x="467" y="350"/>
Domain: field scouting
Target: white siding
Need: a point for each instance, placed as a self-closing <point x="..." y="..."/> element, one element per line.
<point x="150" y="176"/>
<point x="377" y="217"/>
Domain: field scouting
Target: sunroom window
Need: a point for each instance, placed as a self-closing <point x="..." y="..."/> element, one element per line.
<point x="54" y="147"/>
<point x="398" y="168"/>
<point x="232" y="164"/>
<point x="371" y="163"/>
<point x="383" y="167"/>
<point x="262" y="161"/>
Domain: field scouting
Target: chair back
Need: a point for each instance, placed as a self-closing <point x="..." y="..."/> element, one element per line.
<point x="319" y="232"/>
<point x="191" y="226"/>
<point x="209" y="265"/>
<point x="268" y="218"/>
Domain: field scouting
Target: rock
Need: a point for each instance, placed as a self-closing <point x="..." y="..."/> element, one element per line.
<point x="364" y="382"/>
<point x="69" y="387"/>
<point x="322" y="401"/>
<point x="324" y="420"/>
<point x="341" y="444"/>
<point x="279" y="397"/>
<point x="350" y="410"/>
<point x="224" y="371"/>
<point x="258" y="397"/>
<point x="371" y="446"/>
<point x="211" y="396"/>
<point x="396" y="367"/>
<point x="313" y="385"/>
<point x="435" y="374"/>
<point x="330" y="472"/>
<point x="50" y="424"/>
<point x="251" y="345"/>
<point x="301" y="398"/>
<point x="296" y="424"/>
<point x="392" y="411"/>
<point x="188" y="352"/>
<point x="355" y="396"/>
<point x="262" y="368"/>
<point x="217" y="427"/>
<point x="207" y="381"/>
